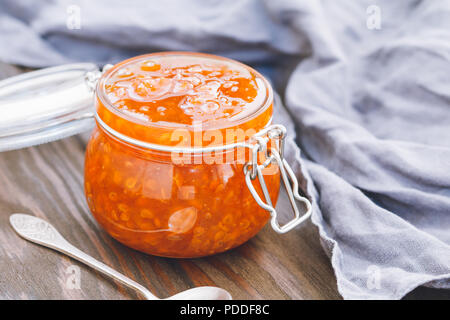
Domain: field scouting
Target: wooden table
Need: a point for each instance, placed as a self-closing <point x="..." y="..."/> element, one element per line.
<point x="47" y="181"/>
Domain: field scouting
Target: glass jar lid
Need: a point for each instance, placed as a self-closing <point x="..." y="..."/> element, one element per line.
<point x="46" y="105"/>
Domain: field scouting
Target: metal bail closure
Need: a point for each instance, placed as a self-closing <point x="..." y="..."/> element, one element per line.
<point x="287" y="176"/>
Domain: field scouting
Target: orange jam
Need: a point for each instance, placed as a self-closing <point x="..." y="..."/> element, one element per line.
<point x="143" y="196"/>
<point x="184" y="90"/>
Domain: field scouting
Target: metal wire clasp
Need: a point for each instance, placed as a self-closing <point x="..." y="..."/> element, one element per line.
<point x="253" y="170"/>
<point x="92" y="77"/>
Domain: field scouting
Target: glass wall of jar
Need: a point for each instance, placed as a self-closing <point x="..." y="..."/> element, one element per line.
<point x="168" y="203"/>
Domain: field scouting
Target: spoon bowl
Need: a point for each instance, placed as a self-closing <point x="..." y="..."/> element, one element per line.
<point x="202" y="293"/>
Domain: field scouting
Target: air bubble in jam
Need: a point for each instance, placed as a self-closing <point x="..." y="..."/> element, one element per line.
<point x="183" y="220"/>
<point x="150" y="65"/>
<point x="123" y="73"/>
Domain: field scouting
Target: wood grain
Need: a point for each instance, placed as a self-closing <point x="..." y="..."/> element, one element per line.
<point x="47" y="181"/>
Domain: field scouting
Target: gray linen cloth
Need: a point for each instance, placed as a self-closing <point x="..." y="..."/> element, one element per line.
<point x="366" y="89"/>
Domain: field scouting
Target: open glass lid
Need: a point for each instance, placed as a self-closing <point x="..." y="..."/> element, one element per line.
<point x="46" y="105"/>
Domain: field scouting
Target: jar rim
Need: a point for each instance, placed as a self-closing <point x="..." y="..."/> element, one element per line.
<point x="101" y="92"/>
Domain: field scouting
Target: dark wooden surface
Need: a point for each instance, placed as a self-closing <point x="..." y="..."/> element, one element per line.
<point x="47" y="181"/>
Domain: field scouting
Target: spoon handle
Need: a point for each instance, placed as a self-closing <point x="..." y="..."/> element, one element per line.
<point x="41" y="232"/>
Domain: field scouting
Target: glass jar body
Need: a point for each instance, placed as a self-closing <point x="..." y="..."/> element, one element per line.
<point x="150" y="203"/>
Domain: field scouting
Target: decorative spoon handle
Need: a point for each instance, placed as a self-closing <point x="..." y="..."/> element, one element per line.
<point x="41" y="232"/>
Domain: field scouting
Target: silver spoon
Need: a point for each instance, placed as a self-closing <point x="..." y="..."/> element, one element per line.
<point x="41" y="232"/>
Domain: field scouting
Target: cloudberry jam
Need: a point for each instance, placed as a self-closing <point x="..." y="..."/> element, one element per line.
<point x="187" y="206"/>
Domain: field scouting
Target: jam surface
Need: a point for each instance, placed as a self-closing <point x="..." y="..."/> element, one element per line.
<point x="184" y="90"/>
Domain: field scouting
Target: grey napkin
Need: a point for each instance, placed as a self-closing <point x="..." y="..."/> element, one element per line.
<point x="365" y="86"/>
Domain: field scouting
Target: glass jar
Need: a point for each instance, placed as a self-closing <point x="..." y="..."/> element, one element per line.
<point x="183" y="189"/>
